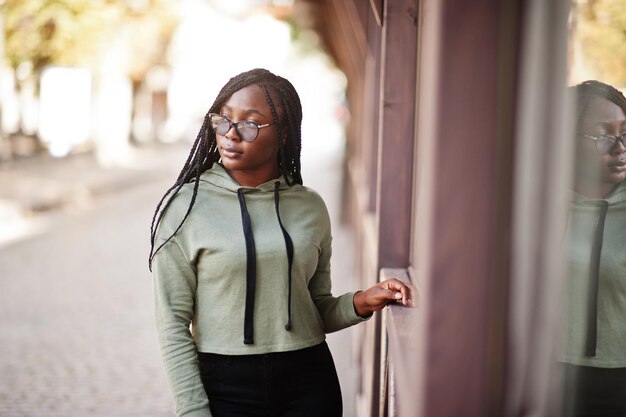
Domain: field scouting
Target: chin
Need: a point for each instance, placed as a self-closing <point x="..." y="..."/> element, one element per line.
<point x="615" y="179"/>
<point x="230" y="164"/>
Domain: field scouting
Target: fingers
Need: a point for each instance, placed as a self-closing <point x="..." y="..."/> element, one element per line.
<point x="382" y="294"/>
<point x="399" y="291"/>
<point x="391" y="295"/>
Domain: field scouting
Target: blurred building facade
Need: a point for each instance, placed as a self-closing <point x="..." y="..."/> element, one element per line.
<point x="457" y="173"/>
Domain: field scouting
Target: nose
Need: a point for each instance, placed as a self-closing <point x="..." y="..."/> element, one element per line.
<point x="619" y="147"/>
<point x="233" y="133"/>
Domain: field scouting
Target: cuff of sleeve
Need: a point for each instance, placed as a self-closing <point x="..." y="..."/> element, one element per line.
<point x="198" y="412"/>
<point x="350" y="312"/>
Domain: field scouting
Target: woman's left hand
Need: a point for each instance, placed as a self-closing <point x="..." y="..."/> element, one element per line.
<point x="380" y="295"/>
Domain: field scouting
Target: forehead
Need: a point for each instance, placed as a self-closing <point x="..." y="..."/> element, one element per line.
<point x="250" y="98"/>
<point x="602" y="111"/>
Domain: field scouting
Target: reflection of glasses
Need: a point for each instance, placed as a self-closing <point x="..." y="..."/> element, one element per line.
<point x="604" y="143"/>
<point x="246" y="129"/>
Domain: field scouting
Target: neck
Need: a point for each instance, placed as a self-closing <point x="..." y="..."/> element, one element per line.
<point x="253" y="178"/>
<point x="594" y="190"/>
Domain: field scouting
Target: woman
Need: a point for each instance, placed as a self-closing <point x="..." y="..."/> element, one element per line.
<point x="241" y="251"/>
<point x="595" y="345"/>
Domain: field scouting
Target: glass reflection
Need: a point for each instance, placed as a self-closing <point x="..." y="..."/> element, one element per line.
<point x="594" y="348"/>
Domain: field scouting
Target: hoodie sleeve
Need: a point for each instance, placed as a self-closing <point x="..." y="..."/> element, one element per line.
<point x="337" y="312"/>
<point x="174" y="293"/>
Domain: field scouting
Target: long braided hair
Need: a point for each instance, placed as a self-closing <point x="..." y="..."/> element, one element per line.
<point x="204" y="151"/>
<point x="588" y="90"/>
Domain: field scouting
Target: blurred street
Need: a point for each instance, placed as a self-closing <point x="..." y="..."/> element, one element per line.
<point x="76" y="320"/>
<point x="76" y="308"/>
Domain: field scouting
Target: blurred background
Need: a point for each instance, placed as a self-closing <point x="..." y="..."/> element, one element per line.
<point x="99" y="103"/>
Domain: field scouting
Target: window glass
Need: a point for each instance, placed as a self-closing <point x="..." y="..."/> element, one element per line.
<point x="593" y="348"/>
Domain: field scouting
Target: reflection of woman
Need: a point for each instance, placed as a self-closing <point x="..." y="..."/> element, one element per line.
<point x="241" y="250"/>
<point x="595" y="345"/>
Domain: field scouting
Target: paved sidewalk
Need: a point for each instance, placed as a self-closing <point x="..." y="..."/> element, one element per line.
<point x="41" y="182"/>
<point x="76" y="321"/>
<point x="40" y="185"/>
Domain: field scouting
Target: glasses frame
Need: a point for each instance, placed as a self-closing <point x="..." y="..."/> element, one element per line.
<point x="232" y="124"/>
<point x="613" y="138"/>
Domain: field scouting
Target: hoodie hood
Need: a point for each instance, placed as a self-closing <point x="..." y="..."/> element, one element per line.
<point x="617" y="196"/>
<point x="219" y="177"/>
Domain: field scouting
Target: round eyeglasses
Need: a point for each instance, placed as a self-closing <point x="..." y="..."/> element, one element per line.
<point x="246" y="129"/>
<point x="604" y="143"/>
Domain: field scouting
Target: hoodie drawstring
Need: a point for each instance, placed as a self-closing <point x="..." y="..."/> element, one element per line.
<point x="594" y="283"/>
<point x="289" y="247"/>
<point x="248" y="328"/>
<point x="248" y="337"/>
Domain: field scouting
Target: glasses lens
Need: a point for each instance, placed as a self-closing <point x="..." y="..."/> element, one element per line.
<point x="604" y="144"/>
<point x="247" y="130"/>
<point x="220" y="124"/>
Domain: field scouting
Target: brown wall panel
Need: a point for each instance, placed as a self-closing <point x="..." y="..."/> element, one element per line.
<point x="469" y="192"/>
<point x="395" y="137"/>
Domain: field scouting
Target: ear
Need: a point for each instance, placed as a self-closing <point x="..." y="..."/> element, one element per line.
<point x="284" y="135"/>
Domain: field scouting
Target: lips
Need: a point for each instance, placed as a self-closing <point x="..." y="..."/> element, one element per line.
<point x="618" y="166"/>
<point x="231" y="152"/>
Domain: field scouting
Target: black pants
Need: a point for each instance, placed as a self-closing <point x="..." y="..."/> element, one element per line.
<point x="299" y="383"/>
<point x="594" y="392"/>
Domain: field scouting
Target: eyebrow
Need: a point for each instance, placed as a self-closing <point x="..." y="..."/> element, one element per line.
<point x="249" y="111"/>
<point x="608" y="124"/>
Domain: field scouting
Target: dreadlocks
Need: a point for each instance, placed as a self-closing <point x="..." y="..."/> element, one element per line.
<point x="588" y="90"/>
<point x="204" y="151"/>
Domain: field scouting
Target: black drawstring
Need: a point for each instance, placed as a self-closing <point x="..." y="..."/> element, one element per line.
<point x="594" y="283"/>
<point x="289" y="246"/>
<point x="248" y="329"/>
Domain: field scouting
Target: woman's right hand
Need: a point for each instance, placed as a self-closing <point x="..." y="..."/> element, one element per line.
<point x="382" y="294"/>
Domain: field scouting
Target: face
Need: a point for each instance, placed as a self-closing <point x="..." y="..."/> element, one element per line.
<point x="249" y="163"/>
<point x="602" y="117"/>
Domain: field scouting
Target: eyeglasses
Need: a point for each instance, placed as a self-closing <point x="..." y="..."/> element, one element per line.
<point x="604" y="143"/>
<point x="247" y="130"/>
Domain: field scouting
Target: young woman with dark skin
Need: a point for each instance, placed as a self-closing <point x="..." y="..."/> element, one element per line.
<point x="238" y="241"/>
<point x="595" y="337"/>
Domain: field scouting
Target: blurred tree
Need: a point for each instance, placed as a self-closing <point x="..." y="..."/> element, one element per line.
<point x="151" y="24"/>
<point x="65" y="32"/>
<point x="75" y="32"/>
<point x="601" y="31"/>
<point x="83" y="33"/>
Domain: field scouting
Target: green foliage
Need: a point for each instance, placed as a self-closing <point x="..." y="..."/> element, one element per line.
<point x="76" y="32"/>
<point x="601" y="29"/>
<point x="66" y="32"/>
<point x="149" y="33"/>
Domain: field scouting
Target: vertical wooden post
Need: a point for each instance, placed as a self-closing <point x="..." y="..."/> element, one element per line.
<point x="396" y="131"/>
<point x="395" y="151"/>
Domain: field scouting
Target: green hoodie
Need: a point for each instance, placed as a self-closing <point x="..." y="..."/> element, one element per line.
<point x="596" y="308"/>
<point x="202" y="277"/>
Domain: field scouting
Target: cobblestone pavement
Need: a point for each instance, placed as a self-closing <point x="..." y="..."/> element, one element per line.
<point x="76" y="317"/>
<point x="76" y="328"/>
<point x="77" y="337"/>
